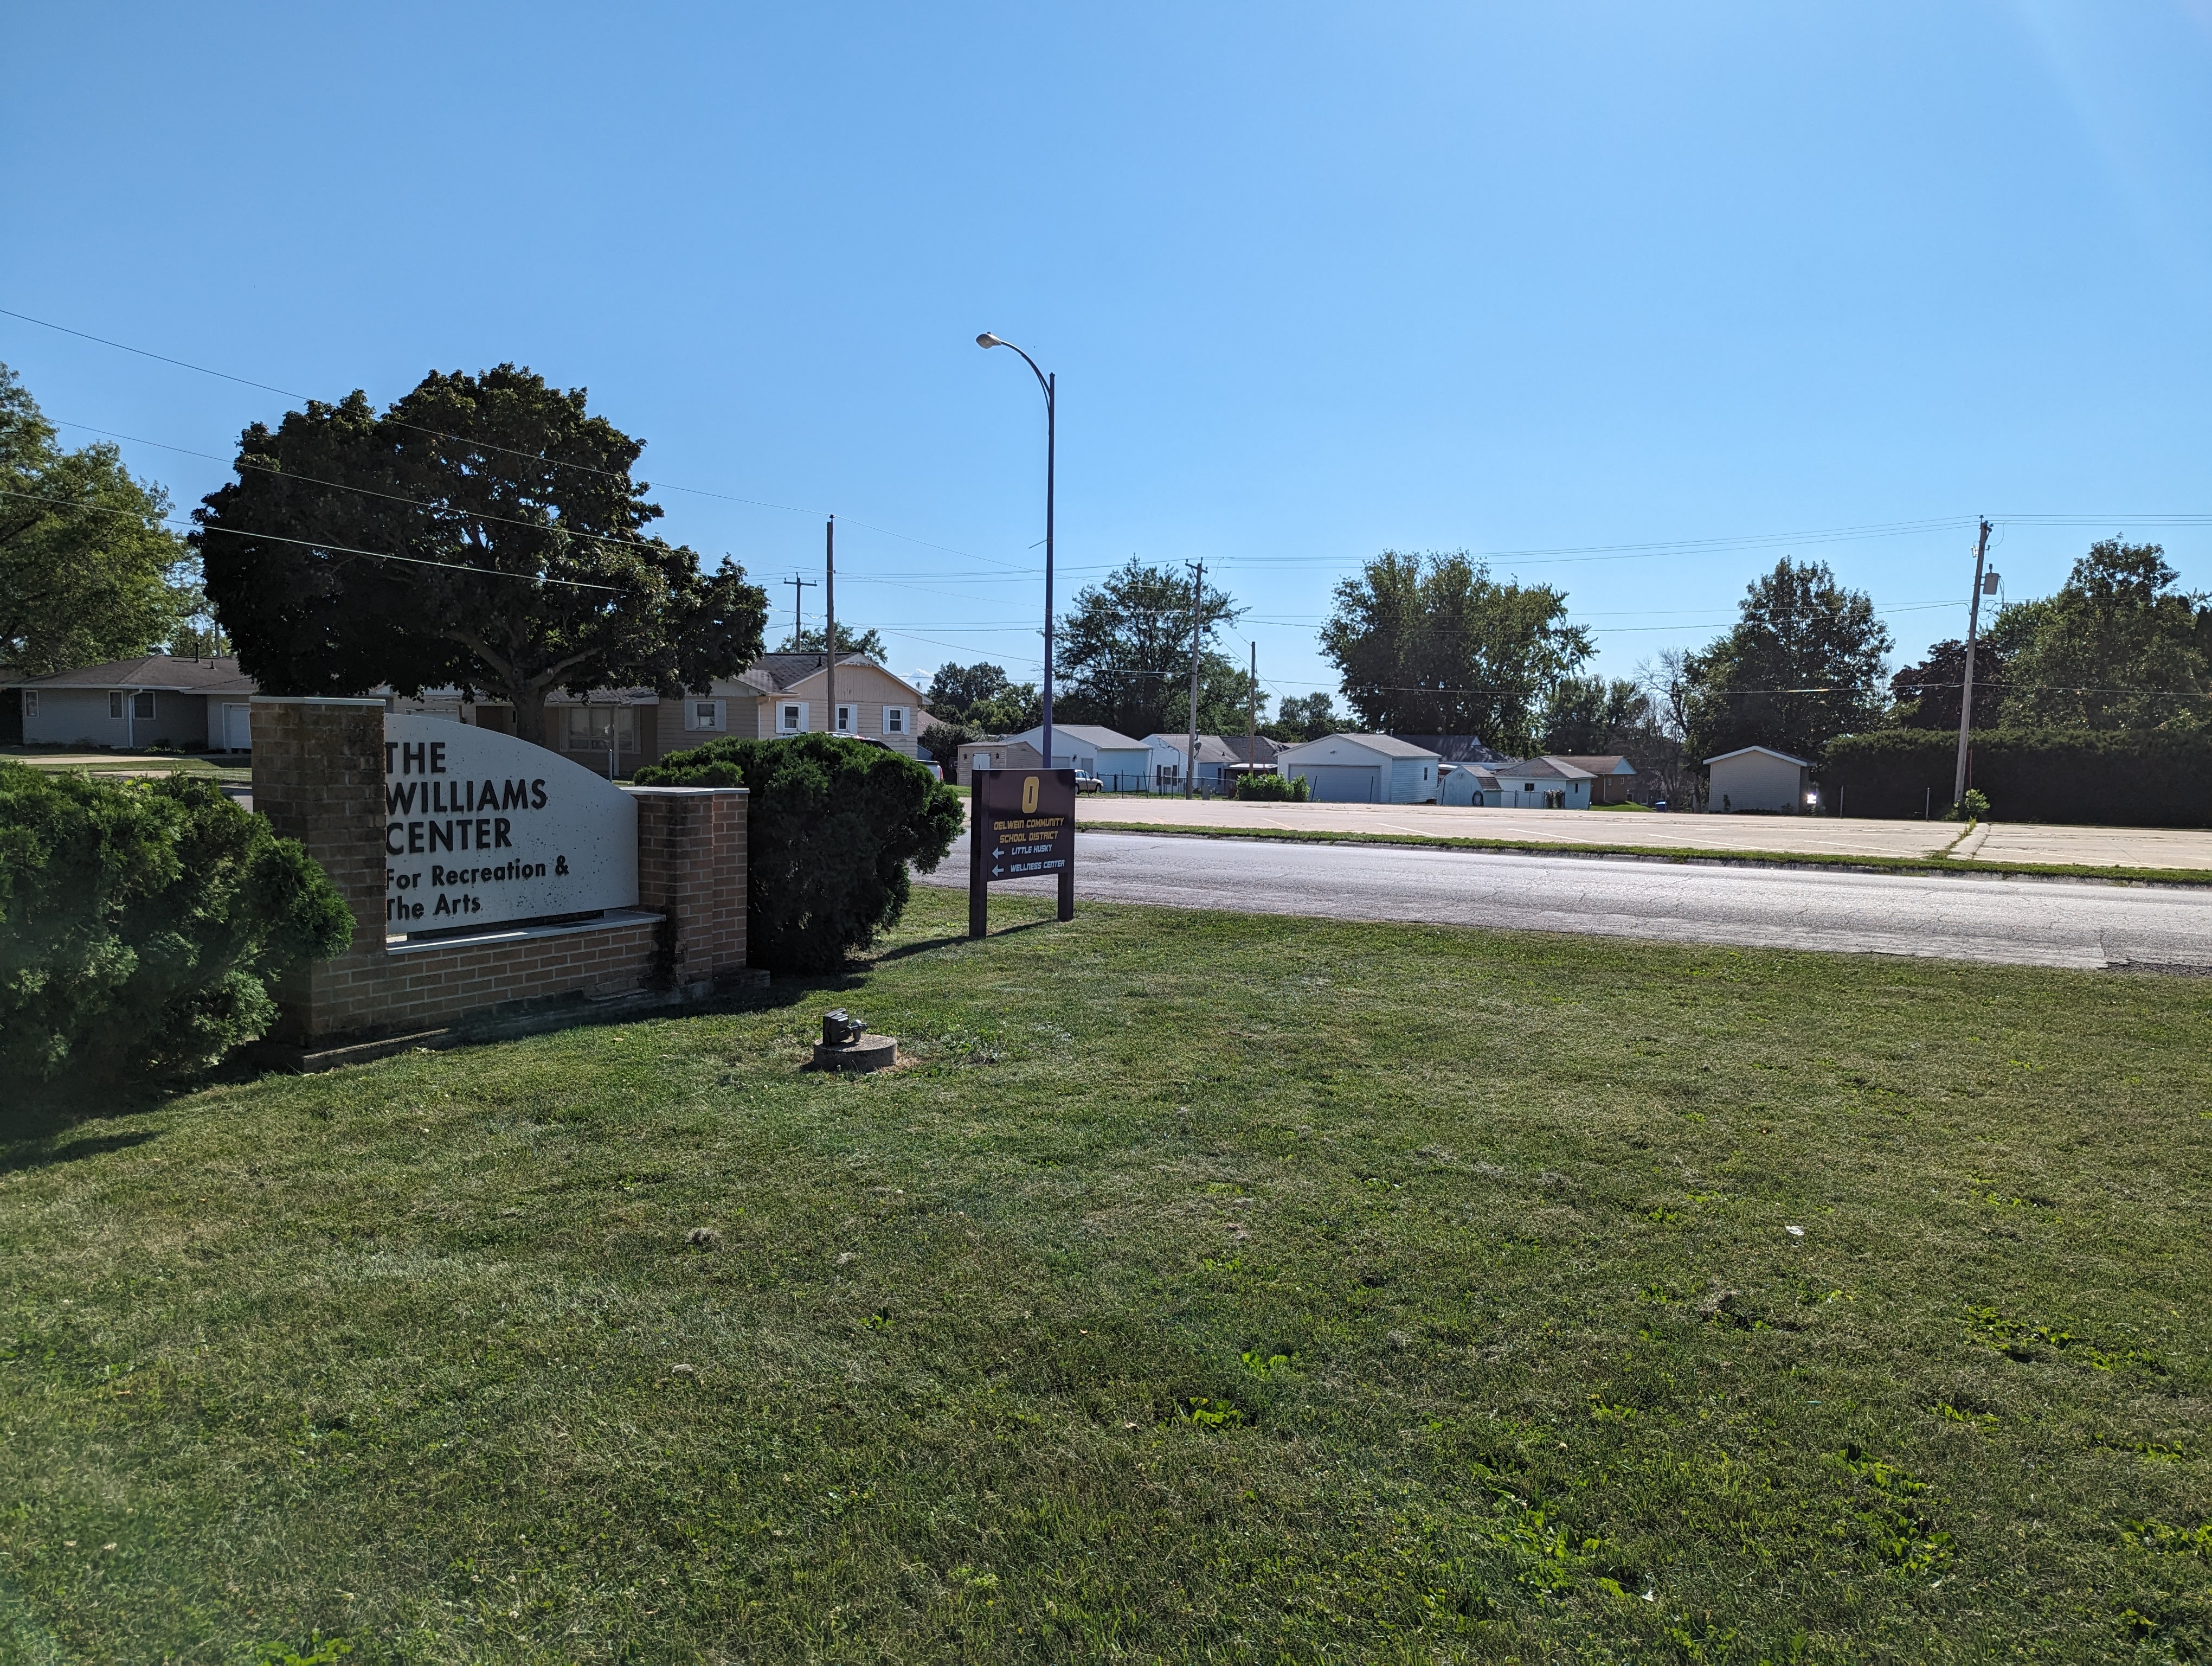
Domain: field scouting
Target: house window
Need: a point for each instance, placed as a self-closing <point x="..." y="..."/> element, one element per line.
<point x="845" y="719"/>
<point x="115" y="703"/>
<point x="596" y="727"/>
<point x="703" y="714"/>
<point x="30" y="702"/>
<point x="142" y="705"/>
<point x="791" y="719"/>
<point x="895" y="720"/>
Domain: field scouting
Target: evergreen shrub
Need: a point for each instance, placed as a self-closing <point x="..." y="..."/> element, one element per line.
<point x="832" y="826"/>
<point x="2116" y="777"/>
<point x="142" y="924"/>
<point x="1275" y="789"/>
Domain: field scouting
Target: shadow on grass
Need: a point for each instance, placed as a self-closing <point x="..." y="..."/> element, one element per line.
<point x="35" y="1151"/>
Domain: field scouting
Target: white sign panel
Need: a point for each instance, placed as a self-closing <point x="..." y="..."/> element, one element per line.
<point x="480" y="827"/>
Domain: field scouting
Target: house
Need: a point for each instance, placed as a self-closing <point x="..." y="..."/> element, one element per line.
<point x="1612" y="775"/>
<point x="1363" y="768"/>
<point x="154" y="700"/>
<point x="1216" y="758"/>
<point x="781" y="694"/>
<point x="1263" y="751"/>
<point x="1543" y="783"/>
<point x="1119" y="761"/>
<point x="1473" y="784"/>
<point x="1759" y="778"/>
<point x="1000" y="752"/>
<point x="777" y="694"/>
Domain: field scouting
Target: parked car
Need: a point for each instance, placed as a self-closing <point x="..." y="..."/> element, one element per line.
<point x="1088" y="783"/>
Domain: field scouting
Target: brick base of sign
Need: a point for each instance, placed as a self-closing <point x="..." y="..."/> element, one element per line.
<point x="318" y="778"/>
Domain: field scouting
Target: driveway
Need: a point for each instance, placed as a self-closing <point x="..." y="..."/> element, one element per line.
<point x="2041" y="922"/>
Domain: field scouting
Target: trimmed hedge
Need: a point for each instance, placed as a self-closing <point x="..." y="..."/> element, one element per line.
<point x="142" y="924"/>
<point x="2116" y="777"/>
<point x="1273" y="789"/>
<point x="831" y="828"/>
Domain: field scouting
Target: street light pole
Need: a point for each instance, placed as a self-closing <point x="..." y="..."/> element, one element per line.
<point x="1051" y="446"/>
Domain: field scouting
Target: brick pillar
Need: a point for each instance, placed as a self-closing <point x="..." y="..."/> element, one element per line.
<point x="691" y="868"/>
<point x="318" y="778"/>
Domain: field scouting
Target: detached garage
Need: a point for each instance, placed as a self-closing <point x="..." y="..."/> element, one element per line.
<point x="1758" y="778"/>
<point x="1363" y="768"/>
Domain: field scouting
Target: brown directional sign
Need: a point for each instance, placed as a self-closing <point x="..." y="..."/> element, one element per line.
<point x="1021" y="825"/>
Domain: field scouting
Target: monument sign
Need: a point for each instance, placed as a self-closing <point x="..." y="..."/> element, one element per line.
<point x="480" y="827"/>
<point x="1021" y="825"/>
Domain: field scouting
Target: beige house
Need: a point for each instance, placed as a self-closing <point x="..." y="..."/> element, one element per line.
<point x="778" y="694"/>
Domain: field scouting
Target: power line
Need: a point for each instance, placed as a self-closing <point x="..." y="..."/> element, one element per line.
<point x="486" y="445"/>
<point x="318" y="543"/>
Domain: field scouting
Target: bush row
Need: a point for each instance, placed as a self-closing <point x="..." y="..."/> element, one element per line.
<point x="141" y="923"/>
<point x="2128" y="778"/>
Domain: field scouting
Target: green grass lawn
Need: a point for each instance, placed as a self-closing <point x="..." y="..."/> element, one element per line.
<point x="1207" y="1288"/>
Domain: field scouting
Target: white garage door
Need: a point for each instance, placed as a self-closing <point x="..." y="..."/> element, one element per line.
<point x="1345" y="783"/>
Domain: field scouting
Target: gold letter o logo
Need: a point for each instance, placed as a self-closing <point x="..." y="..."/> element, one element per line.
<point x="1029" y="796"/>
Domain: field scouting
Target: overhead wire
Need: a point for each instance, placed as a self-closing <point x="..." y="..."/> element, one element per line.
<point x="317" y="543"/>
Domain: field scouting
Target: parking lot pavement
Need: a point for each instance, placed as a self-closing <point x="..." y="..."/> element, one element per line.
<point x="1818" y="836"/>
<point x="2024" y="922"/>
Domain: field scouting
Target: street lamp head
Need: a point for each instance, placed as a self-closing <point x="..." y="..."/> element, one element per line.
<point x="987" y="339"/>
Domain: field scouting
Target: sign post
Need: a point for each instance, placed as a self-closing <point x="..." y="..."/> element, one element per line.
<point x="1021" y="823"/>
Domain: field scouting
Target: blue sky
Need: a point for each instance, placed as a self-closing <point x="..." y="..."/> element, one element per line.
<point x="1316" y="282"/>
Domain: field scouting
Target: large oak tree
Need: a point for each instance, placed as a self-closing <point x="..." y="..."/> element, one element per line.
<point x="484" y="532"/>
<point x="1803" y="665"/>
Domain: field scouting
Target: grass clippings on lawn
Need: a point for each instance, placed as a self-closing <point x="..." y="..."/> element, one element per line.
<point x="1207" y="1287"/>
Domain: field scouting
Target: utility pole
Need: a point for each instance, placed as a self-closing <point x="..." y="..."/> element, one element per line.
<point x="1967" y="691"/>
<point x="1252" y="725"/>
<point x="1197" y="599"/>
<point x="799" y="587"/>
<point x="830" y="631"/>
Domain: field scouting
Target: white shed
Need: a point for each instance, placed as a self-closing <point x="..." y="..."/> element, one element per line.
<point x="1363" y="768"/>
<point x="1758" y="778"/>
<point x="1467" y="783"/>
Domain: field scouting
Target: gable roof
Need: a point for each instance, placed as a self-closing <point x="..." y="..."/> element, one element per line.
<point x="163" y="672"/>
<point x="1097" y="736"/>
<point x="1598" y="763"/>
<point x="1382" y="746"/>
<point x="1801" y="763"/>
<point x="1549" y="766"/>
<point x="779" y="673"/>
<point x="1212" y="748"/>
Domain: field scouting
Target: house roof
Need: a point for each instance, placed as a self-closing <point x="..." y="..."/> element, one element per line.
<point x="1381" y="746"/>
<point x="161" y="672"/>
<point x="1598" y="763"/>
<point x="1264" y="751"/>
<point x="1096" y="736"/>
<point x="1481" y="772"/>
<point x="1546" y="767"/>
<point x="1787" y="758"/>
<point x="779" y="673"/>
<point x="1212" y="748"/>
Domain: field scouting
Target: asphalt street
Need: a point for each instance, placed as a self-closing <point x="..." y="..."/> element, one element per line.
<point x="2041" y="922"/>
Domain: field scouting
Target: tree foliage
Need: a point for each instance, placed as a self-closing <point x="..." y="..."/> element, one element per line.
<point x="983" y="698"/>
<point x="88" y="570"/>
<point x="1593" y="714"/>
<point x="1803" y="665"/>
<point x="1928" y="695"/>
<point x="142" y="924"/>
<point x="1433" y="645"/>
<point x="869" y="641"/>
<point x="2120" y="646"/>
<point x="1304" y="717"/>
<point x="483" y="531"/>
<point x="1123" y="656"/>
<point x="830" y="830"/>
